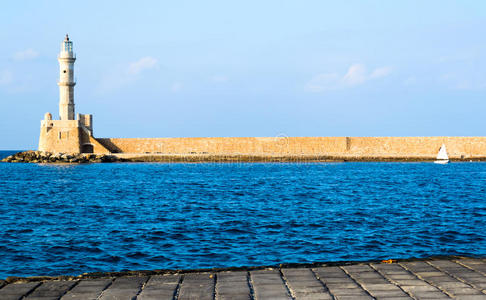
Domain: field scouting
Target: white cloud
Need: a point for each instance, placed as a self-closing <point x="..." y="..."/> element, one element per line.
<point x="5" y="77"/>
<point x="458" y="81"/>
<point x="381" y="72"/>
<point x="176" y="87"/>
<point x="412" y="80"/>
<point x="219" y="78"/>
<point x="120" y="76"/>
<point x="27" y="54"/>
<point x="357" y="74"/>
<point x="145" y="63"/>
<point x="322" y="82"/>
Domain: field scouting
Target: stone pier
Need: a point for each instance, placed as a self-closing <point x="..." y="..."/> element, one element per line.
<point x="453" y="278"/>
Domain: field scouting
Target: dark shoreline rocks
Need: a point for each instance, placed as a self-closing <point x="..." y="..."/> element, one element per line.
<point x="70" y="158"/>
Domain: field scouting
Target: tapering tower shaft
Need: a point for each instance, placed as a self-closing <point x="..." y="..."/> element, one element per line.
<point x="66" y="82"/>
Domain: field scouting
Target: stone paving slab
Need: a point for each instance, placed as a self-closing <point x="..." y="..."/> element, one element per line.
<point x="51" y="290"/>
<point x="17" y="290"/>
<point x="197" y="286"/>
<point x="90" y="289"/>
<point x="455" y="278"/>
<point x="124" y="288"/>
<point x="233" y="285"/>
<point x="160" y="287"/>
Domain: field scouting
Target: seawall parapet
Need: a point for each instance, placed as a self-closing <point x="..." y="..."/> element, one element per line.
<point x="319" y="148"/>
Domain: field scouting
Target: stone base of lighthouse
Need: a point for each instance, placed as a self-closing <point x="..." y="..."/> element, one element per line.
<point x="69" y="136"/>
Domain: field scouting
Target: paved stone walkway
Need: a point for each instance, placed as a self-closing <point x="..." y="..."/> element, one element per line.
<point x="431" y="279"/>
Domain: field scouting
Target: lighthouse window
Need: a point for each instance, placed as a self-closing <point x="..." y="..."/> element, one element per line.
<point x="68" y="47"/>
<point x="64" y="71"/>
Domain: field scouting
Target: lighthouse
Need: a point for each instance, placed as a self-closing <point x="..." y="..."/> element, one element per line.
<point x="66" y="82"/>
<point x="71" y="133"/>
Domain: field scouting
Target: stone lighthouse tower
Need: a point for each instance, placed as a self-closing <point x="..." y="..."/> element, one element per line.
<point x="66" y="82"/>
<point x="71" y="133"/>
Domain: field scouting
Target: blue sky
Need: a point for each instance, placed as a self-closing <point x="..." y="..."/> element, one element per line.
<point x="248" y="68"/>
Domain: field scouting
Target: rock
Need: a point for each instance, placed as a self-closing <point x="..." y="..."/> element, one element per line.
<point x="11" y="279"/>
<point x="111" y="158"/>
<point x="48" y="157"/>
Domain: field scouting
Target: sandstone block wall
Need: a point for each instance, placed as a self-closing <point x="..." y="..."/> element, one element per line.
<point x="60" y="136"/>
<point x="228" y="145"/>
<point x="457" y="147"/>
<point x="358" y="147"/>
<point x="68" y="136"/>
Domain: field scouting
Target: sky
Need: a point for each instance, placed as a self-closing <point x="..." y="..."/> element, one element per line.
<point x="248" y="68"/>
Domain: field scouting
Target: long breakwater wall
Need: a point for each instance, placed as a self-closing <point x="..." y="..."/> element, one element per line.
<point x="352" y="148"/>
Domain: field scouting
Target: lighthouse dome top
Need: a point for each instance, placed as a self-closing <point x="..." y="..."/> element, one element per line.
<point x="66" y="48"/>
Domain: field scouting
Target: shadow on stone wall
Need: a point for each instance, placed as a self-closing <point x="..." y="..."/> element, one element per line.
<point x="108" y="144"/>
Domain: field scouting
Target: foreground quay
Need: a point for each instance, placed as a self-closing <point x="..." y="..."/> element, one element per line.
<point x="451" y="278"/>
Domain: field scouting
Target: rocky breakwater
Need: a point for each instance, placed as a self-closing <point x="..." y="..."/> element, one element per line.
<point x="48" y="157"/>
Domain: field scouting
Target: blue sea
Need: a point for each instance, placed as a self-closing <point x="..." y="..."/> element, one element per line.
<point x="71" y="219"/>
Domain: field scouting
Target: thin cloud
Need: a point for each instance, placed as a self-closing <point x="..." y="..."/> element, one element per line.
<point x="219" y="78"/>
<point x="177" y="87"/>
<point x="412" y="80"/>
<point x="6" y="77"/>
<point x="463" y="81"/>
<point x="356" y="74"/>
<point x="145" y="63"/>
<point x="322" y="82"/>
<point x="127" y="74"/>
<point x="27" y="54"/>
<point x="380" y="72"/>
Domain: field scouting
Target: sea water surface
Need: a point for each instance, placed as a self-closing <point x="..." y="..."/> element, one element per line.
<point x="70" y="219"/>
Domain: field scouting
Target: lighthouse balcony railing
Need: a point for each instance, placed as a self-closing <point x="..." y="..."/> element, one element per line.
<point x="67" y="82"/>
<point x="65" y="54"/>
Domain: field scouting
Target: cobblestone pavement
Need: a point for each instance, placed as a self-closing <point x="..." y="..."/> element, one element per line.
<point x="458" y="278"/>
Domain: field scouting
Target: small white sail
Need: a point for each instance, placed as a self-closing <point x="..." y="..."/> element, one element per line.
<point x="442" y="155"/>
